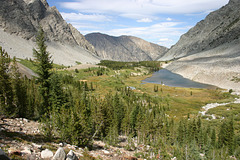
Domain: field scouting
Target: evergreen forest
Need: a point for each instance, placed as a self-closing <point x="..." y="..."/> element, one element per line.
<point x="105" y="102"/>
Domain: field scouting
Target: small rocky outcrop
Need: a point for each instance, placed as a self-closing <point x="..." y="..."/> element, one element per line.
<point x="124" y="48"/>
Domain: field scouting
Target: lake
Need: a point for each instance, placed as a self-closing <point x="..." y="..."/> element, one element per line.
<point x="169" y="78"/>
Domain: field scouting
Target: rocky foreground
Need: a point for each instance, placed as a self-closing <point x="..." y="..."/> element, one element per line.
<point x="21" y="138"/>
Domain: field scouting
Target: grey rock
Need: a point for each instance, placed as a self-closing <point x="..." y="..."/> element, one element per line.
<point x="124" y="48"/>
<point x="219" y="27"/>
<point x="26" y="150"/>
<point x="60" y="154"/>
<point x="3" y="156"/>
<point x="32" y="157"/>
<point x="23" y="18"/>
<point x="71" y="156"/>
<point x="38" y="146"/>
<point x="46" y="154"/>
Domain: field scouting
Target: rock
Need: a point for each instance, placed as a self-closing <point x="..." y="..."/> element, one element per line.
<point x="71" y="156"/>
<point x="32" y="157"/>
<point x="106" y="152"/>
<point x="26" y="150"/>
<point x="46" y="154"/>
<point x="13" y="150"/>
<point x="38" y="146"/>
<point x="3" y="156"/>
<point x="25" y="120"/>
<point x="60" y="154"/>
<point x="61" y="144"/>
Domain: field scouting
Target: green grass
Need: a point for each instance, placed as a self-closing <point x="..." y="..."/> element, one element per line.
<point x="33" y="65"/>
<point x="182" y="101"/>
<point x="29" y="64"/>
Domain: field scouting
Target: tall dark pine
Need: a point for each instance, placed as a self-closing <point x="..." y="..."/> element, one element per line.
<point x="44" y="65"/>
<point x="19" y="90"/>
<point x="6" y="94"/>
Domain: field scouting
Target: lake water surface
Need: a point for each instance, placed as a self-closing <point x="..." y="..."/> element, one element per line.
<point x="169" y="78"/>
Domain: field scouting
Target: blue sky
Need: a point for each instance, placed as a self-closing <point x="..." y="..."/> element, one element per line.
<point x="157" y="21"/>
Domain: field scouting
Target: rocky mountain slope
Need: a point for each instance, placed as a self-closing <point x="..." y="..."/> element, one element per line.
<point x="219" y="27"/>
<point x="23" y="139"/>
<point x="210" y="51"/>
<point x="124" y="48"/>
<point x="20" y="21"/>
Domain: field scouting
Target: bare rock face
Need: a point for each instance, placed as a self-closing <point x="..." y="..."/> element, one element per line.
<point x="124" y="48"/>
<point x="23" y="18"/>
<point x="219" y="27"/>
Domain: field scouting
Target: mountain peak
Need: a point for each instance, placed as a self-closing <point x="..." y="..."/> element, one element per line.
<point x="23" y="18"/>
<point x="124" y="48"/>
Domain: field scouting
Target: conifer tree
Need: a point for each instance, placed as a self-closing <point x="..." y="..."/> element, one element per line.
<point x="44" y="65"/>
<point x="19" y="90"/>
<point x="6" y="94"/>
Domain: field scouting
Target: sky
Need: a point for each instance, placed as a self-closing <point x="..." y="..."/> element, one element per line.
<point x="157" y="21"/>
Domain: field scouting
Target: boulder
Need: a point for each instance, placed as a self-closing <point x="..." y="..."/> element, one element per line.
<point x="71" y="156"/>
<point x="60" y="154"/>
<point x="46" y="153"/>
<point x="3" y="156"/>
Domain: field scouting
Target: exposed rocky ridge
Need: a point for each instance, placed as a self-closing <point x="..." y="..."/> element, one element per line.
<point x="219" y="27"/>
<point x="124" y="48"/>
<point x="23" y="18"/>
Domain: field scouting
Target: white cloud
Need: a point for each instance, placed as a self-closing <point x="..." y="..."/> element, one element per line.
<point x="144" y="7"/>
<point x="84" y="17"/>
<point x="163" y="39"/>
<point x="145" y="20"/>
<point x="169" y="19"/>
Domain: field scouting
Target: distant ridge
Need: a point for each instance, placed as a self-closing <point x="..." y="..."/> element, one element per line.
<point x="124" y="48"/>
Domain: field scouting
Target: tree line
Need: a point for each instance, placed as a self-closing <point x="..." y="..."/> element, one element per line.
<point x="70" y="112"/>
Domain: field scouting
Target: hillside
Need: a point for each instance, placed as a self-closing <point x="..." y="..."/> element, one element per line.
<point x="20" y="21"/>
<point x="219" y="27"/>
<point x="124" y="48"/>
<point x="210" y="52"/>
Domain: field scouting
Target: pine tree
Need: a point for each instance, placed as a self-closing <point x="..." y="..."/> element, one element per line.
<point x="6" y="93"/>
<point x="19" y="90"/>
<point x="57" y="99"/>
<point x="44" y="65"/>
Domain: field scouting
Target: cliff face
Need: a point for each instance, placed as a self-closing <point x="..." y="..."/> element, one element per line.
<point x="124" y="48"/>
<point x="22" y="18"/>
<point x="219" y="27"/>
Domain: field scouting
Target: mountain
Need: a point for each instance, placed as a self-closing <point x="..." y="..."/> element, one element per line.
<point x="20" y="20"/>
<point x="124" y="48"/>
<point x="210" y="51"/>
<point x="219" y="27"/>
